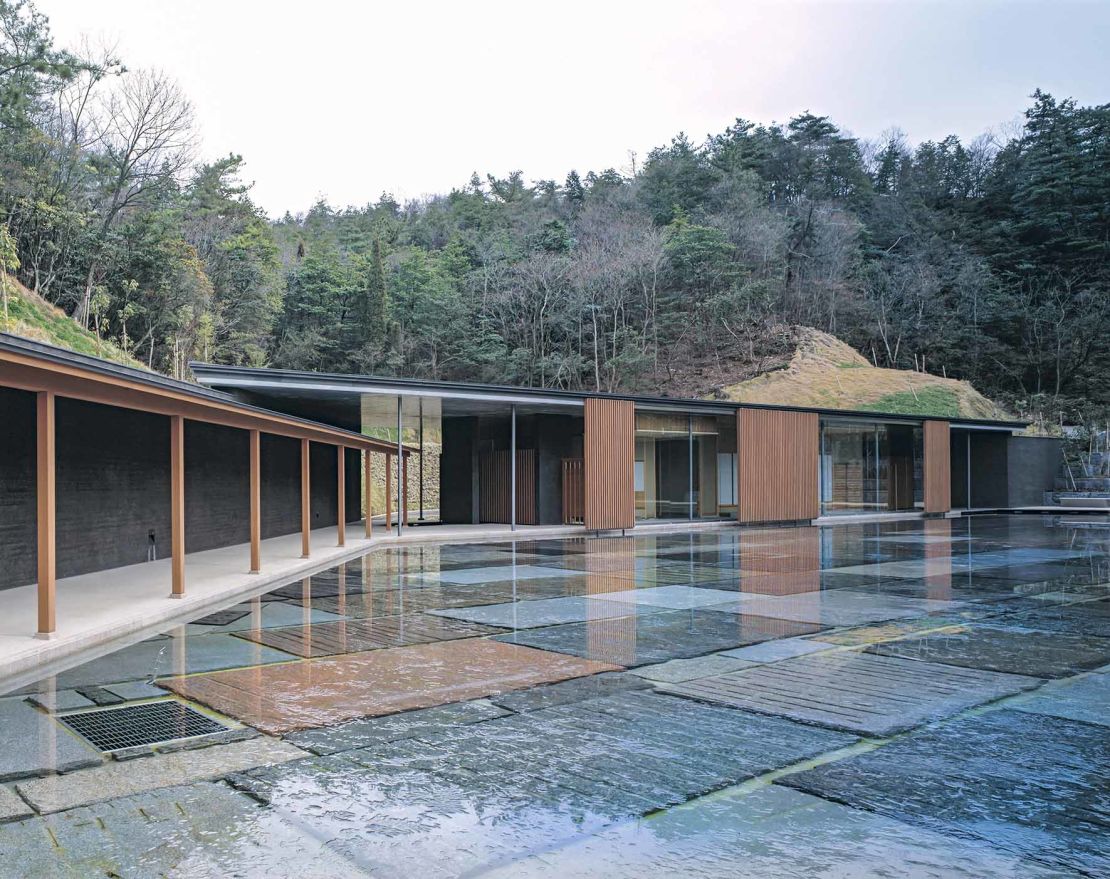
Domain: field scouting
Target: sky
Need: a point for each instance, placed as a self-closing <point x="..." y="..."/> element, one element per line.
<point x="347" y="100"/>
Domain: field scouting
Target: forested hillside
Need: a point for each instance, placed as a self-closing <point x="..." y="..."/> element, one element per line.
<point x="986" y="261"/>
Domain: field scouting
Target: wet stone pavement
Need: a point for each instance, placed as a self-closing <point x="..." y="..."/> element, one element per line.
<point x="912" y="698"/>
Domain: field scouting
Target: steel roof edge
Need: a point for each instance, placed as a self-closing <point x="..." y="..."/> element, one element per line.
<point x="278" y="377"/>
<point x="63" y="356"/>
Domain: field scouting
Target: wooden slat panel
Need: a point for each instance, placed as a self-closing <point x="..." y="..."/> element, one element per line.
<point x="777" y="467"/>
<point x="938" y="468"/>
<point x="609" y="453"/>
<point x="493" y="486"/>
<point x="573" y="491"/>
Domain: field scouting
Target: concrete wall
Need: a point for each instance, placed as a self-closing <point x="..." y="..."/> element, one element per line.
<point x="113" y="488"/>
<point x="458" y="472"/>
<point x="989" y="472"/>
<point x="1033" y="462"/>
<point x="17" y="487"/>
<point x="557" y="437"/>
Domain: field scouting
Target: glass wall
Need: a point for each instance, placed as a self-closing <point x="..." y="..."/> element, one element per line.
<point x="685" y="466"/>
<point x="870" y="467"/>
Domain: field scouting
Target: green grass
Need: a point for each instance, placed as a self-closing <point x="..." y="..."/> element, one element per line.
<point x="935" y="401"/>
<point x="34" y="319"/>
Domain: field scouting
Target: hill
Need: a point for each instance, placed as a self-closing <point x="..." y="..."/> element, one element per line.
<point x="32" y="317"/>
<point x="824" y="372"/>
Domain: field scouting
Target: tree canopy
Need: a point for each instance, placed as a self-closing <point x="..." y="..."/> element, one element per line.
<point x="987" y="260"/>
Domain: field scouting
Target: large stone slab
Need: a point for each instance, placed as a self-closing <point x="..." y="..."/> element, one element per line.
<point x="871" y="695"/>
<point x="677" y="670"/>
<point x="59" y="792"/>
<point x="493" y="791"/>
<point x="658" y="637"/>
<point x="566" y="692"/>
<point x="1083" y="618"/>
<point x="771" y="832"/>
<point x="492" y="574"/>
<point x="546" y="612"/>
<point x="303" y="695"/>
<point x="199" y="830"/>
<point x="1005" y="649"/>
<point x="1028" y="784"/>
<point x="394" y="727"/>
<point x="1085" y="698"/>
<point x="356" y="636"/>
<point x="34" y="743"/>
<point x="12" y="807"/>
<point x="840" y="607"/>
<point x="148" y="660"/>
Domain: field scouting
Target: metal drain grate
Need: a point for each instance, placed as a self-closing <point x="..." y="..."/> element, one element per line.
<point x="147" y="724"/>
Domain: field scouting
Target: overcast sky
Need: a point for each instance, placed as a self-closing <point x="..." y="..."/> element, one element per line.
<point x="346" y="100"/>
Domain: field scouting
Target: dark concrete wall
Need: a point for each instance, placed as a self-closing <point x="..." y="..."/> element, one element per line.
<point x="17" y="487"/>
<point x="557" y="437"/>
<point x="217" y="486"/>
<point x="958" y="445"/>
<point x="113" y="486"/>
<point x="112" y="470"/>
<point x="1033" y="462"/>
<point x="989" y="471"/>
<point x="458" y="472"/>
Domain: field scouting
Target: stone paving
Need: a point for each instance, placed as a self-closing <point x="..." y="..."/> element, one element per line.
<point x="1011" y="649"/>
<point x="1027" y="783"/>
<point x="658" y="637"/>
<point x="675" y="703"/>
<point x="858" y="692"/>
<point x="302" y="695"/>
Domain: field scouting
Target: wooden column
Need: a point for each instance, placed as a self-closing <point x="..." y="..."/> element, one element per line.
<point x="306" y="499"/>
<point x="369" y="495"/>
<point x="47" y="506"/>
<point x="177" y="506"/>
<point x="609" y="452"/>
<point x="256" y="501"/>
<point x="388" y="493"/>
<point x="937" y="474"/>
<point x="341" y="494"/>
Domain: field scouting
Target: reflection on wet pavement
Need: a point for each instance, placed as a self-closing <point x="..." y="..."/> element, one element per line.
<point x="685" y="703"/>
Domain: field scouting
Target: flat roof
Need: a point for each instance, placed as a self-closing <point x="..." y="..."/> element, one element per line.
<point x="29" y="365"/>
<point x="287" y="382"/>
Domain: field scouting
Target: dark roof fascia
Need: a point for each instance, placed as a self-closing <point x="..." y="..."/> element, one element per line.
<point x="107" y="368"/>
<point x="213" y="372"/>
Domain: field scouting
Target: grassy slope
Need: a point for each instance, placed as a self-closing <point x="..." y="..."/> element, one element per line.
<point x="826" y="373"/>
<point x="34" y="318"/>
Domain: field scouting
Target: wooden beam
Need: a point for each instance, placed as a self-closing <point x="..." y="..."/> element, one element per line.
<point x="369" y="494"/>
<point x="47" y="509"/>
<point x="30" y="373"/>
<point x="341" y="493"/>
<point x="256" y="501"/>
<point x="306" y="499"/>
<point x="177" y="506"/>
<point x="388" y="493"/>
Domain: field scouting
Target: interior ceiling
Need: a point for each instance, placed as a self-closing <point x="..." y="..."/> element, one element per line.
<point x="354" y="410"/>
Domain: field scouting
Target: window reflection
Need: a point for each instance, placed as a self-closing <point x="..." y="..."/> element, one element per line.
<point x="870" y="467"/>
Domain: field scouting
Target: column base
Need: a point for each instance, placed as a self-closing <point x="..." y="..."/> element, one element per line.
<point x="46" y="636"/>
<point x="177" y="595"/>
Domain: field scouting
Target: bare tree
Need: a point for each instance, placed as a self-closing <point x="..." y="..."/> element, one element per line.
<point x="144" y="142"/>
